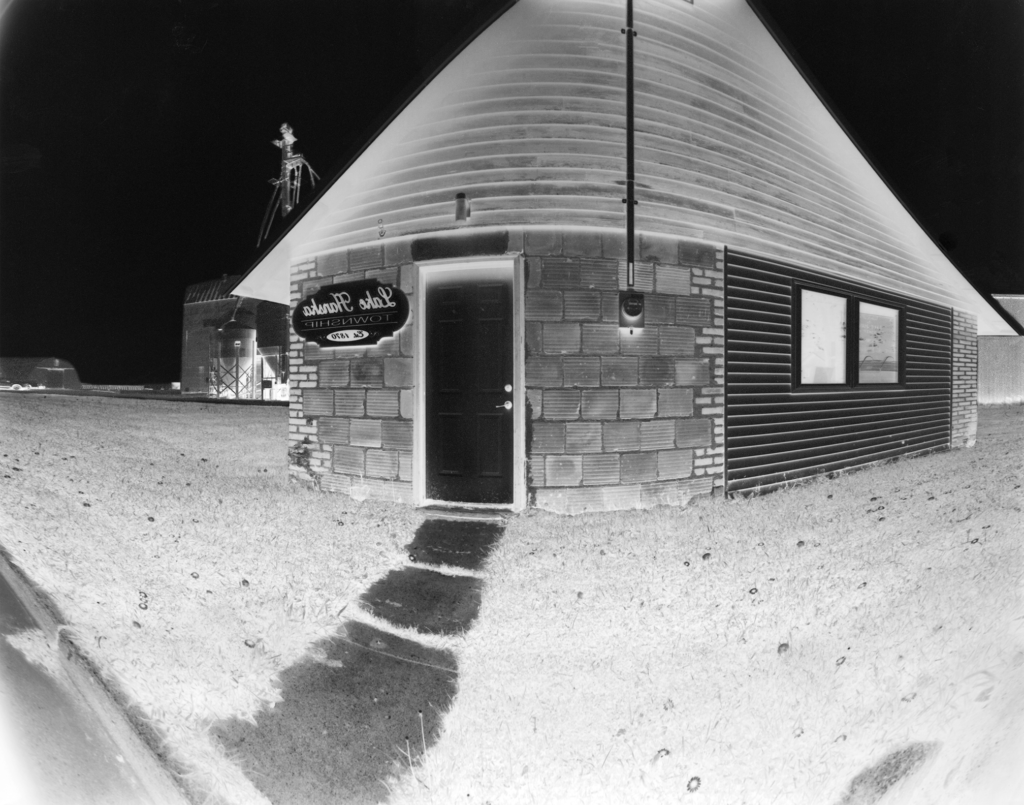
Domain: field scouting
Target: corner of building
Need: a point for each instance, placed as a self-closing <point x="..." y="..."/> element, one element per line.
<point x="964" y="414"/>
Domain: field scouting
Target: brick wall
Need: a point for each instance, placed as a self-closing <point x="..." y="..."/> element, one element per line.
<point x="618" y="420"/>
<point x="965" y="380"/>
<point x="350" y="427"/>
<point x="614" y="421"/>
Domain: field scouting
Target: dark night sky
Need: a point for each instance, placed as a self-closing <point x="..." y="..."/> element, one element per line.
<point x="136" y="139"/>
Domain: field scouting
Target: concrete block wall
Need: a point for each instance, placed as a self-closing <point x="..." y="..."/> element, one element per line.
<point x="620" y="421"/>
<point x="964" y="428"/>
<point x="615" y="421"/>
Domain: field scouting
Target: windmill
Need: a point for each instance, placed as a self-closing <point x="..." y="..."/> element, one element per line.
<point x="289" y="183"/>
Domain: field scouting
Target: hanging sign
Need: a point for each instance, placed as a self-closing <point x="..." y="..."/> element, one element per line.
<point x="351" y="313"/>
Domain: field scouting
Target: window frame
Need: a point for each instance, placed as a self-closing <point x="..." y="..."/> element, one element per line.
<point x="852" y="297"/>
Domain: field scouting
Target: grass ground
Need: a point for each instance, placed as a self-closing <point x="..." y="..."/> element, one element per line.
<point x="189" y="566"/>
<point x="762" y="650"/>
<point x="755" y="651"/>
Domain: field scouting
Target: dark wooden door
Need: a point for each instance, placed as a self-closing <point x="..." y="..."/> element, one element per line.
<point x="469" y="365"/>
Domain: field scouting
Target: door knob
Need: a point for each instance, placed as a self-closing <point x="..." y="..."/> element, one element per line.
<point x="508" y="387"/>
<point x="507" y="405"/>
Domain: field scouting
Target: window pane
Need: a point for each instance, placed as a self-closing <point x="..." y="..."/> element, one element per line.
<point x="879" y="344"/>
<point x="822" y="338"/>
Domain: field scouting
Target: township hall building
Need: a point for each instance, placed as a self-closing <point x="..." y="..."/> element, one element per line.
<point x="478" y="320"/>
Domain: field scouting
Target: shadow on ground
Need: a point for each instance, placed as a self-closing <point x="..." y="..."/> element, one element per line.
<point x="345" y="718"/>
<point x="874" y="782"/>
<point x="364" y="703"/>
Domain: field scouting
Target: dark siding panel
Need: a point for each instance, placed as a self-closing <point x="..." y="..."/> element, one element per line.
<point x="814" y="431"/>
<point x="774" y="435"/>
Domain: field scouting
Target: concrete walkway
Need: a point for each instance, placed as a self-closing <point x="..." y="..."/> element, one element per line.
<point x="367" y="702"/>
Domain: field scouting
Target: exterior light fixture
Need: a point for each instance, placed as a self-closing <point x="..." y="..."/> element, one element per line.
<point x="462" y="211"/>
<point x="631" y="310"/>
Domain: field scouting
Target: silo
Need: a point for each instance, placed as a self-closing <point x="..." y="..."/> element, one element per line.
<point x="234" y="362"/>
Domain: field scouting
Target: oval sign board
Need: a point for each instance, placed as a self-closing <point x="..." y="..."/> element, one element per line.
<point x="351" y="313"/>
<point x="348" y="335"/>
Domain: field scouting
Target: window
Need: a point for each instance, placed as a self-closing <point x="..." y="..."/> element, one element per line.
<point x="879" y="336"/>
<point x="827" y="357"/>
<point x="822" y="338"/>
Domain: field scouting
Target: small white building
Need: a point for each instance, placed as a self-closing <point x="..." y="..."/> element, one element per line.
<point x="1001" y="359"/>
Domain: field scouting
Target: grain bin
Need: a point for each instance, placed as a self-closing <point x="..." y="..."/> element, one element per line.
<point x="234" y="364"/>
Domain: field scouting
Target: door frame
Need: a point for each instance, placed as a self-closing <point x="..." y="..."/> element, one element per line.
<point x="513" y="265"/>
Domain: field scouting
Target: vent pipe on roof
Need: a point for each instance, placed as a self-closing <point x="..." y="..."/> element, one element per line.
<point x="461" y="208"/>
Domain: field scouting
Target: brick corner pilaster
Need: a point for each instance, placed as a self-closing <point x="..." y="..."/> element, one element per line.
<point x="964" y="415"/>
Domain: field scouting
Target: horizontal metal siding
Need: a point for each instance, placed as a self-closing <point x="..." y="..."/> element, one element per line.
<point x="731" y="146"/>
<point x="774" y="435"/>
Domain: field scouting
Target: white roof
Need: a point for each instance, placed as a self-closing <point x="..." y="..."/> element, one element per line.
<point x="1012" y="304"/>
<point x="732" y="146"/>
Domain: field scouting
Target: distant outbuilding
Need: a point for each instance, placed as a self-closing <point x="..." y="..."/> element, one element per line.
<point x="233" y="347"/>
<point x="52" y="373"/>
<point x="1001" y="359"/>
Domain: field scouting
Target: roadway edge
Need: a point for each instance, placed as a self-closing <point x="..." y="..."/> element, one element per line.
<point x="137" y="740"/>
